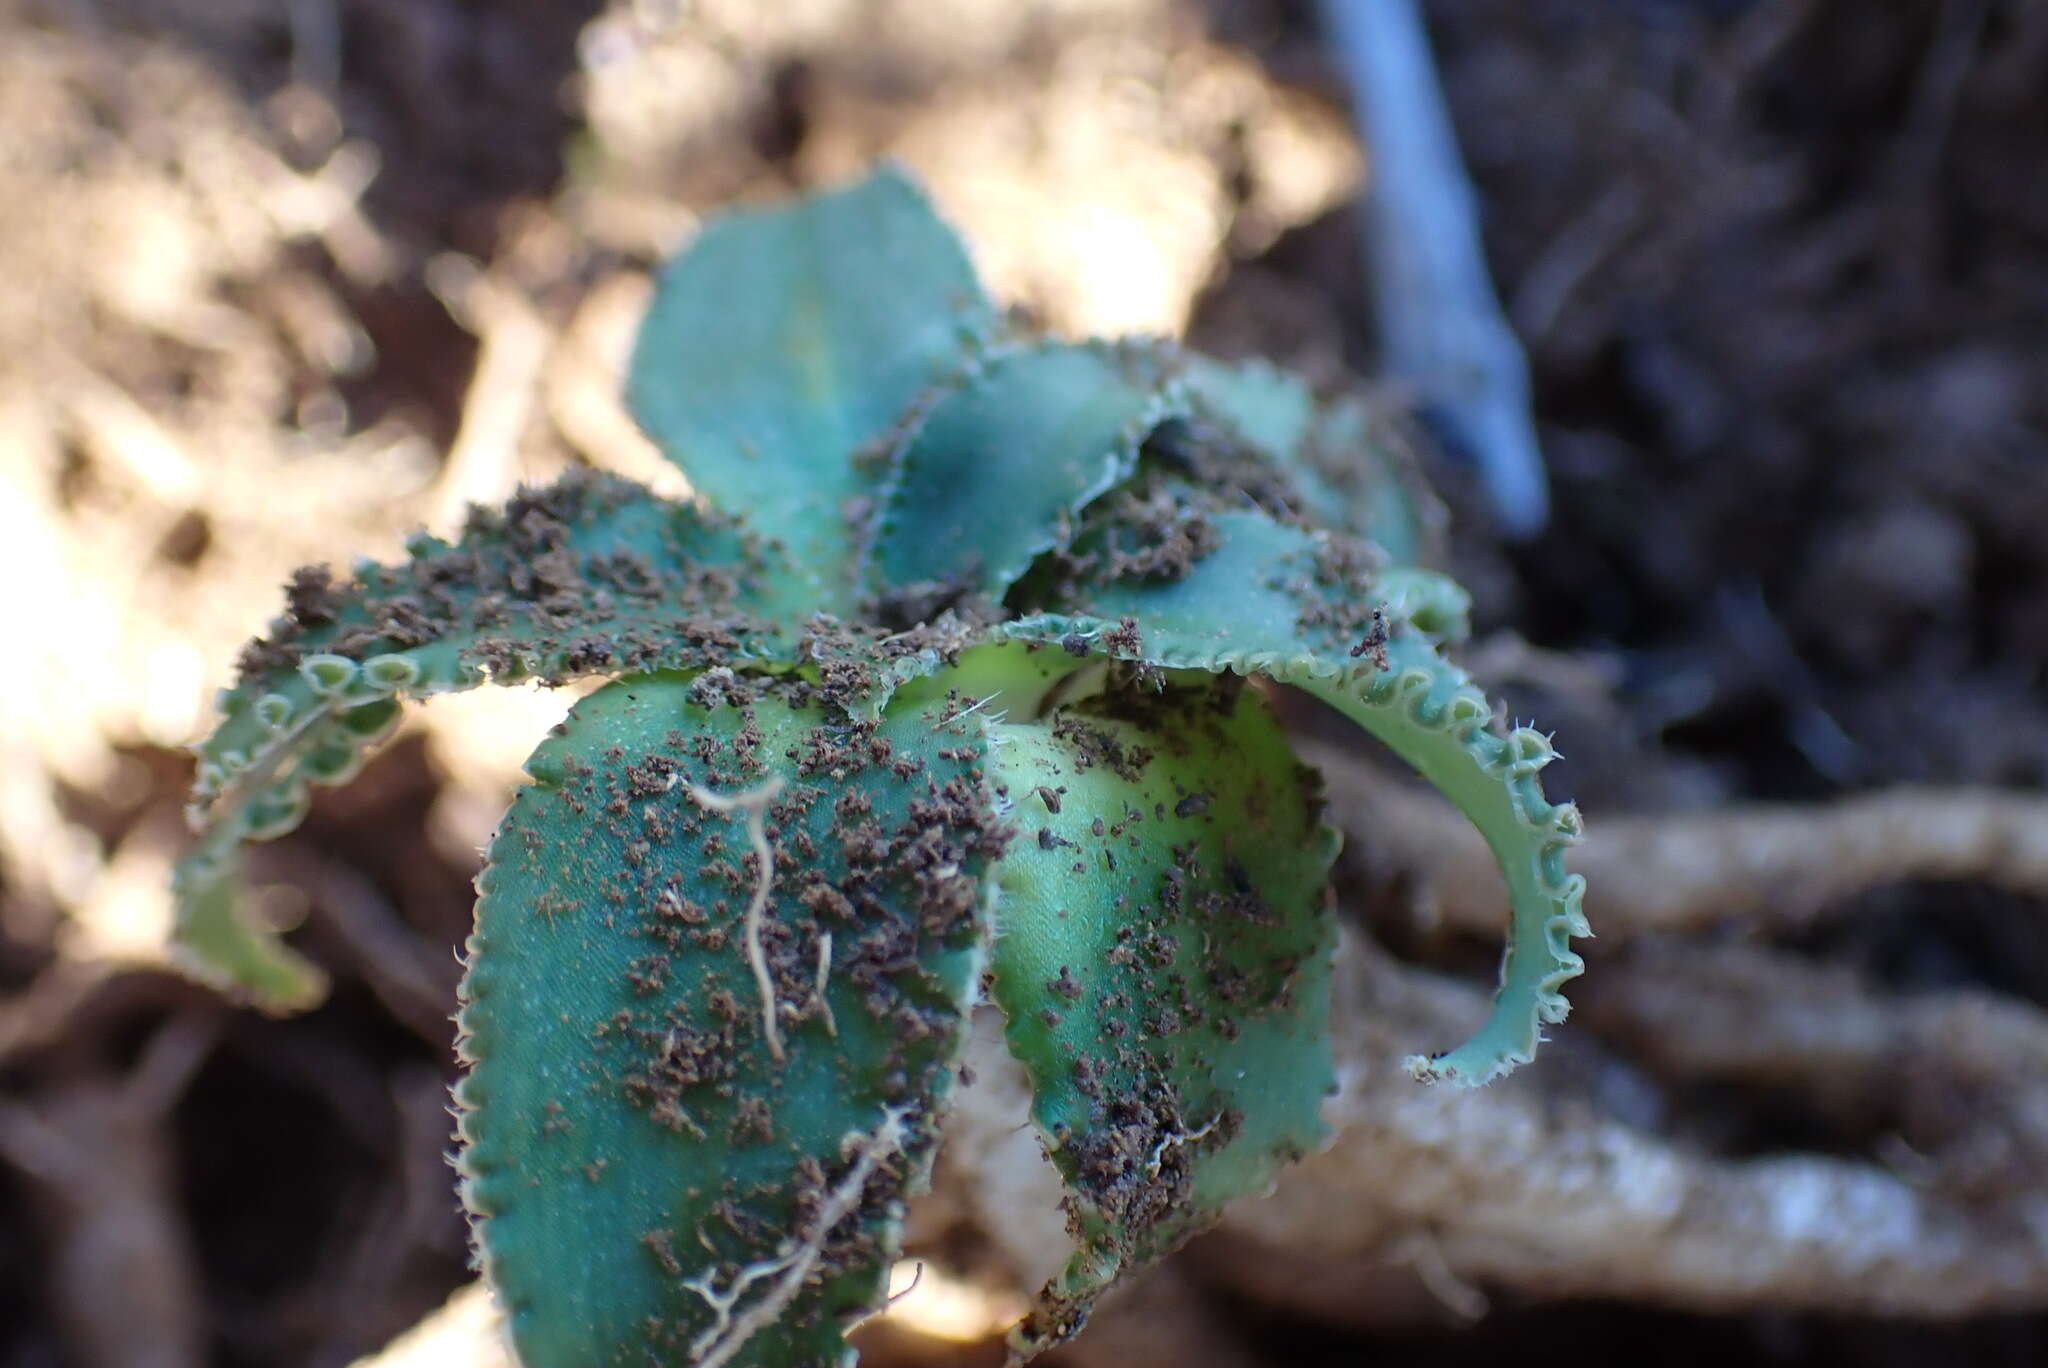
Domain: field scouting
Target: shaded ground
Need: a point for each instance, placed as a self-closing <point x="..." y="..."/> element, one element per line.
<point x="292" y="279"/>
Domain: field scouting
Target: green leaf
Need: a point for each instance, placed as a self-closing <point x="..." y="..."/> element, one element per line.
<point x="1163" y="961"/>
<point x="999" y="466"/>
<point x="1307" y="609"/>
<point x="1350" y="474"/>
<point x="593" y="575"/>
<point x="1378" y="492"/>
<point x="785" y="346"/>
<point x="697" y="1098"/>
<point x="1269" y="407"/>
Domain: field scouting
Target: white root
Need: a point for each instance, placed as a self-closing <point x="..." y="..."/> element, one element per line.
<point x="1745" y="1011"/>
<point x="753" y="805"/>
<point x="729" y="1332"/>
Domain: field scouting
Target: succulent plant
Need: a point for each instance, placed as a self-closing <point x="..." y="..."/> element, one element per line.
<point x="954" y="682"/>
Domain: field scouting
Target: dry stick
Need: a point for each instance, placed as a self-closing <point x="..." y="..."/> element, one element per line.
<point x="408" y="1213"/>
<point x="44" y="1012"/>
<point x="754" y="803"/>
<point x="585" y="374"/>
<point x="1778" y="866"/>
<point x="1573" y="255"/>
<point x="407" y="978"/>
<point x="1527" y="1189"/>
<point x="1440" y="326"/>
<point x="1916" y="158"/>
<point x="98" y="1150"/>
<point x="512" y="350"/>
<point x="1733" y="65"/>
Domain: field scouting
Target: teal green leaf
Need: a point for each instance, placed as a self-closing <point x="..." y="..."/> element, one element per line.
<point x="703" y="1082"/>
<point x="784" y="348"/>
<point x="590" y="576"/>
<point x="999" y="465"/>
<point x="1271" y="408"/>
<point x="1351" y="475"/>
<point x="1305" y="609"/>
<point x="1163" y="961"/>
<point x="999" y="678"/>
<point x="1371" y="477"/>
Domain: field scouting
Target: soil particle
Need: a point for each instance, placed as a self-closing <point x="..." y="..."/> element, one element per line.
<point x="311" y="596"/>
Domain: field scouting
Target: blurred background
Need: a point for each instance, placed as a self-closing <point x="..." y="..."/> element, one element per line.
<point x="284" y="279"/>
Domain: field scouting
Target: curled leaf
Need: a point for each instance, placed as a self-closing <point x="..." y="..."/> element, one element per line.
<point x="590" y="576"/>
<point x="1303" y="608"/>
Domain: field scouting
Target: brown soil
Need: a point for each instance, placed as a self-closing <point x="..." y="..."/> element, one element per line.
<point x="288" y="280"/>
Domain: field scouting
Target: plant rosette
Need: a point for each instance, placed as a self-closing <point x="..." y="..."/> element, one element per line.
<point x="952" y="684"/>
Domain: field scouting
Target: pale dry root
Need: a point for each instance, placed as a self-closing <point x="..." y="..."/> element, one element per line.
<point x="1584" y="1178"/>
<point x="1596" y="1176"/>
<point x="1772" y="867"/>
<point x="1535" y="1186"/>
<point x="1694" y="1010"/>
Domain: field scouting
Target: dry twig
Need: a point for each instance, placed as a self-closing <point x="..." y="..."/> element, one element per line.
<point x="1440" y="326"/>
<point x="98" y="1153"/>
<point x="513" y="344"/>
